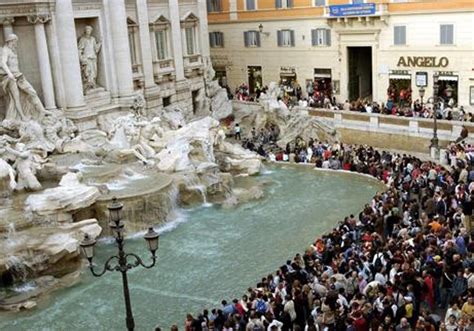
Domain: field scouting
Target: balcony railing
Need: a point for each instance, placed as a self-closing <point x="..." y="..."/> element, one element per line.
<point x="193" y="65"/>
<point x="164" y="70"/>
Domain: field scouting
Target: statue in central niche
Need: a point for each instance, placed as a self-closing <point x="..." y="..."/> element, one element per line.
<point x="89" y="48"/>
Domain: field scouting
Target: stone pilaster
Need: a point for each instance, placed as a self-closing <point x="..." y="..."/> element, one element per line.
<point x="7" y="23"/>
<point x="203" y="31"/>
<point x="176" y="39"/>
<point x="43" y="59"/>
<point x="145" y="43"/>
<point x="67" y="41"/>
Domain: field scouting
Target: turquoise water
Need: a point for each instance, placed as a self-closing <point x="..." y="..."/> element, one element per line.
<point x="206" y="255"/>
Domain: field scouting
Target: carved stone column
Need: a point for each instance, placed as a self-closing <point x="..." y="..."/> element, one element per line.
<point x="116" y="12"/>
<point x="69" y="54"/>
<point x="43" y="59"/>
<point x="7" y="23"/>
<point x="58" y="81"/>
<point x="145" y="43"/>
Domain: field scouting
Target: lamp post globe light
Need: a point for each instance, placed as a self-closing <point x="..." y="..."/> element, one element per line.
<point x="421" y="91"/>
<point x="434" y="141"/>
<point x="122" y="262"/>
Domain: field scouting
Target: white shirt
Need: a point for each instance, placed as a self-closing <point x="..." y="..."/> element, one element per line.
<point x="278" y="324"/>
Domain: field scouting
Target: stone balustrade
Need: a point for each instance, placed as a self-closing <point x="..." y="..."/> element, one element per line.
<point x="384" y="131"/>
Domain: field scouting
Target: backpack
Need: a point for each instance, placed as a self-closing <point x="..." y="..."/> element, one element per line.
<point x="261" y="307"/>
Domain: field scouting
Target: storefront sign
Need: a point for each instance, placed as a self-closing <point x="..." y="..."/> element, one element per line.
<point x="422" y="61"/>
<point x="360" y="9"/>
<point x="421" y="79"/>
<point x="288" y="70"/>
<point x="399" y="72"/>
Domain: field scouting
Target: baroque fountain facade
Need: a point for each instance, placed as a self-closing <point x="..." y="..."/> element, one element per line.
<point x="88" y="130"/>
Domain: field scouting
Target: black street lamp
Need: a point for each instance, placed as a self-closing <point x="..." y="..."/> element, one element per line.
<point x="122" y="263"/>
<point x="434" y="140"/>
<point x="421" y="91"/>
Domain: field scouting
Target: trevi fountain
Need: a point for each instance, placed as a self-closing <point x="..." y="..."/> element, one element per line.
<point x="215" y="204"/>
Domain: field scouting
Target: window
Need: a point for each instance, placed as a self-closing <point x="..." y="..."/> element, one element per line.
<point x="190" y="34"/>
<point x="319" y="3"/>
<point x="161" y="44"/>
<point x="321" y="37"/>
<point x="446" y="34"/>
<point x="252" y="39"/>
<point x="159" y="38"/>
<point x="250" y="4"/>
<point x="283" y="3"/>
<point x="190" y="42"/>
<point x="286" y="38"/>
<point x="132" y="41"/>
<point x="166" y="101"/>
<point x="216" y="39"/>
<point x="214" y="6"/>
<point x="358" y="1"/>
<point x="399" y="35"/>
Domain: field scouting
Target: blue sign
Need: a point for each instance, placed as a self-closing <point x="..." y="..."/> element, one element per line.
<point x="360" y="9"/>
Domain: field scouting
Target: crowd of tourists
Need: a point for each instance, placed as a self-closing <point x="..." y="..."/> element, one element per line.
<point x="319" y="95"/>
<point x="403" y="263"/>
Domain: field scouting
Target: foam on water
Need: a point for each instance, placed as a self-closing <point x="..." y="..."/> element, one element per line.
<point x="26" y="287"/>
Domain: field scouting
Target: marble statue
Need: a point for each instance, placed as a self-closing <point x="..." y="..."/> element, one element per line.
<point x="22" y="102"/>
<point x="88" y="47"/>
<point x="26" y="164"/>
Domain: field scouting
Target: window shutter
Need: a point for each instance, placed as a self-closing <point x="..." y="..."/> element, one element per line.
<point x="289" y="3"/>
<point x="328" y="37"/>
<point x="258" y="38"/>
<point x="209" y="8"/>
<point x="442" y="31"/>
<point x="314" y="37"/>
<point x="292" y="37"/>
<point x="278" y="3"/>
<point x="246" y="38"/>
<point x="450" y="34"/>
<point x="279" y="38"/>
<point x="250" y="4"/>
<point x="221" y="36"/>
<point x="219" y="5"/>
<point x="211" y="39"/>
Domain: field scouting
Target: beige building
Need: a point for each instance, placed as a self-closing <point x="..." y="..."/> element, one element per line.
<point x="352" y="48"/>
<point x="157" y="48"/>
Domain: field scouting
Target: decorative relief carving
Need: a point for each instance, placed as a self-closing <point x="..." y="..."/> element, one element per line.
<point x="38" y="19"/>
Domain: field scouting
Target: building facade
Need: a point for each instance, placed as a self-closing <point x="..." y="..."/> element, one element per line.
<point x="157" y="48"/>
<point x="352" y="48"/>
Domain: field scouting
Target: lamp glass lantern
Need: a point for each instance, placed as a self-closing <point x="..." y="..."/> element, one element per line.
<point x="87" y="247"/>
<point x="260" y="28"/>
<point x="422" y="92"/>
<point x="152" y="238"/>
<point x="115" y="210"/>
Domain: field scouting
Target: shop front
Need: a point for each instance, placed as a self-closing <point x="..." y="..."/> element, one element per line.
<point x="448" y="87"/>
<point x="399" y="87"/>
<point x="322" y="83"/>
<point x="288" y="80"/>
<point x="255" y="78"/>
